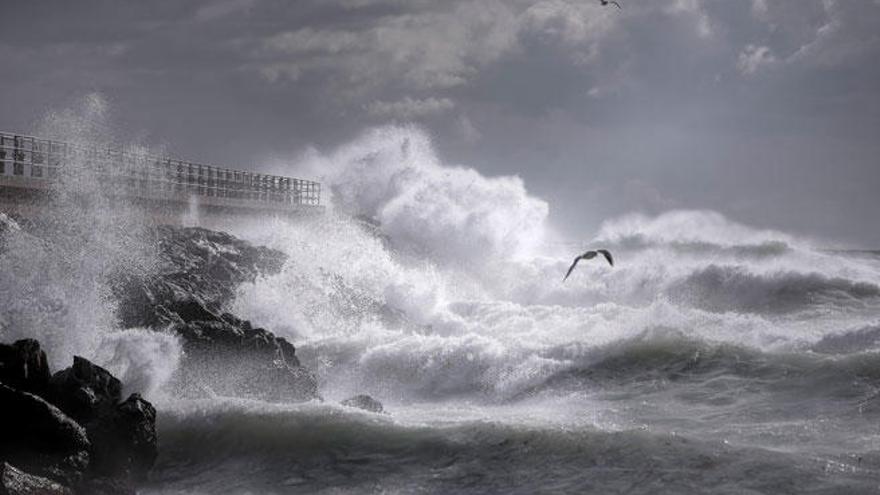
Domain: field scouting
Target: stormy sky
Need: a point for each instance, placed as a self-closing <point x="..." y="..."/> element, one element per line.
<point x="765" y="110"/>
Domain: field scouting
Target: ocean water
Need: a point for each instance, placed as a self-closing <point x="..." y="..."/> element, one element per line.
<point x="712" y="358"/>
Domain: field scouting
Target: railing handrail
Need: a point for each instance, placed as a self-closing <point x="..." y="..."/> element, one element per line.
<point x="194" y="177"/>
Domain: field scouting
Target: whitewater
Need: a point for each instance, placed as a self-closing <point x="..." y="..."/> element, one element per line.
<point x="713" y="358"/>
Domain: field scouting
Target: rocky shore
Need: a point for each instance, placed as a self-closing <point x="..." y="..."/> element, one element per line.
<point x="71" y="432"/>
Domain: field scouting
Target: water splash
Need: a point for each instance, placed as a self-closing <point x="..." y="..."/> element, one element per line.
<point x="452" y="214"/>
<point x="379" y="305"/>
<point x="55" y="280"/>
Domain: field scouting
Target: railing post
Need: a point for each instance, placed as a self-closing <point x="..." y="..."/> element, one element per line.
<point x="137" y="174"/>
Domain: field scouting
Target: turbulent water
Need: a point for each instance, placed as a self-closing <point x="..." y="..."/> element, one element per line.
<point x="713" y="358"/>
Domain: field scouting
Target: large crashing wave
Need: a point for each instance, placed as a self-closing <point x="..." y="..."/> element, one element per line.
<point x="448" y="213"/>
<point x="407" y="304"/>
<point x="427" y="280"/>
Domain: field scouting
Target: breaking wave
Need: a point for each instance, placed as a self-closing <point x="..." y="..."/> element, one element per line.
<point x="734" y="288"/>
<point x="377" y="305"/>
<point x="451" y="214"/>
<point x="439" y="291"/>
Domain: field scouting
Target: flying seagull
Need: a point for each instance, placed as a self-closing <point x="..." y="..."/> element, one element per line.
<point x="588" y="256"/>
<point x="606" y="2"/>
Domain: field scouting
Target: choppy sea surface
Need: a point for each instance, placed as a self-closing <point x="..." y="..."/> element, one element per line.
<point x="714" y="357"/>
<point x="739" y="368"/>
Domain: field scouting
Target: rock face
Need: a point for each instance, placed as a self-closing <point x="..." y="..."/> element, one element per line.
<point x="16" y="482"/>
<point x="364" y="402"/>
<point x="123" y="434"/>
<point x="199" y="272"/>
<point x="135" y="435"/>
<point x="85" y="391"/>
<point x="76" y="434"/>
<point x="39" y="437"/>
<point x="125" y="440"/>
<point x="23" y="366"/>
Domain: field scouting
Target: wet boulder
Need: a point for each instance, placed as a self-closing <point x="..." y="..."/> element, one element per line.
<point x="123" y="434"/>
<point x="23" y="366"/>
<point x="222" y="337"/>
<point x="14" y="481"/>
<point x="136" y="422"/>
<point x="364" y="402"/>
<point x="231" y="357"/>
<point x="198" y="273"/>
<point x="79" y="435"/>
<point x="85" y="390"/>
<point x="288" y="351"/>
<point x="125" y="441"/>
<point x="196" y="279"/>
<point x="39" y="437"/>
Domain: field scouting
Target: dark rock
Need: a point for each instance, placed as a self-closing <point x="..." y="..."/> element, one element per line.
<point x="222" y="337"/>
<point x="136" y="418"/>
<point x="41" y="438"/>
<point x="123" y="435"/>
<point x="288" y="351"/>
<point x="23" y="366"/>
<point x="87" y="440"/>
<point x="124" y="441"/>
<point x="85" y="390"/>
<point x="229" y="361"/>
<point x="199" y="271"/>
<point x="364" y="402"/>
<point x="231" y="357"/>
<point x="14" y="481"/>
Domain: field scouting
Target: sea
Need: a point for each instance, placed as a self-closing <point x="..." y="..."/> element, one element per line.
<point x="714" y="357"/>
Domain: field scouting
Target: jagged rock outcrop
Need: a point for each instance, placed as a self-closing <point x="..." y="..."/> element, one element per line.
<point x="40" y="438"/>
<point x="364" y="402"/>
<point x="198" y="274"/>
<point x="77" y="434"/>
<point x="123" y="434"/>
<point x="135" y="435"/>
<point x="23" y="366"/>
<point x="231" y="357"/>
<point x="85" y="391"/>
<point x="14" y="481"/>
<point x="125" y="442"/>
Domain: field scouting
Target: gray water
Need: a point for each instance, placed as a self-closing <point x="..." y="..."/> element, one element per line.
<point x="748" y="364"/>
<point x="713" y="358"/>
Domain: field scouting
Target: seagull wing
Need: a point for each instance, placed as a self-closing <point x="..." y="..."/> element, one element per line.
<point x="615" y="3"/>
<point x="571" y="268"/>
<point x="607" y="256"/>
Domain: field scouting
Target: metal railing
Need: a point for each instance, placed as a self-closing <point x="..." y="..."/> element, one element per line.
<point x="143" y="175"/>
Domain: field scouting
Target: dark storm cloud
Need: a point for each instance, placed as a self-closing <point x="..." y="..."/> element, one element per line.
<point x="765" y="110"/>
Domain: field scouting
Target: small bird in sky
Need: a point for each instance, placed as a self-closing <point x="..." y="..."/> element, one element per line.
<point x="606" y="2"/>
<point x="588" y="256"/>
